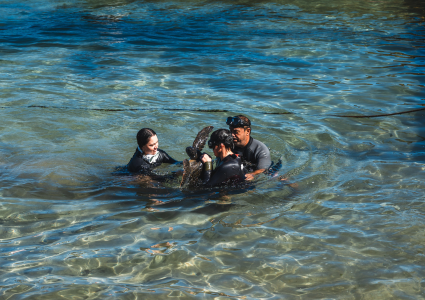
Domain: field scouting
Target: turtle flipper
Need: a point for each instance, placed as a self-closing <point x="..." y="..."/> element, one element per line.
<point x="202" y="137"/>
<point x="192" y="171"/>
<point x="192" y="152"/>
<point x="197" y="168"/>
<point x="186" y="172"/>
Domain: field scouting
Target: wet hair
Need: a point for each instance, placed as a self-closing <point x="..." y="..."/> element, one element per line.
<point x="144" y="135"/>
<point x="222" y="136"/>
<point x="245" y="120"/>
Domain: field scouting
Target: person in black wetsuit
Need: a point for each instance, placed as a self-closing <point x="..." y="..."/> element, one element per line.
<point x="147" y="155"/>
<point x="229" y="168"/>
<point x="255" y="155"/>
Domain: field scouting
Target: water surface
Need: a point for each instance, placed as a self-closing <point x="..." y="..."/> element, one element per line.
<point x="78" y="79"/>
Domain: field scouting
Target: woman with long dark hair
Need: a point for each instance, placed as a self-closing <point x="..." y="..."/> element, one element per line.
<point x="148" y="156"/>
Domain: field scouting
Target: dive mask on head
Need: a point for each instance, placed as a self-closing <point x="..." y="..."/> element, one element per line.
<point x="211" y="144"/>
<point x="236" y="122"/>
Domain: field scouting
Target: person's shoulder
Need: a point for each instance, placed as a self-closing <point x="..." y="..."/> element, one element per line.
<point x="237" y="158"/>
<point x="163" y="152"/>
<point x="165" y="157"/>
<point x="137" y="153"/>
<point x="238" y="161"/>
<point x="135" y="162"/>
<point x="232" y="159"/>
<point x="260" y="149"/>
<point x="257" y="143"/>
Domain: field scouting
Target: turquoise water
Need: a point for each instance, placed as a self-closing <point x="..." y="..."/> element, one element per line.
<point x="78" y="79"/>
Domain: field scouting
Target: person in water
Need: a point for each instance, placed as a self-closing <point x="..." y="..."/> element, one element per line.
<point x="147" y="155"/>
<point x="229" y="168"/>
<point x="255" y="155"/>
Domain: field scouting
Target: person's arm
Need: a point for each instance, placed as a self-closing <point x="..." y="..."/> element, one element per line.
<point x="263" y="161"/>
<point x="210" y="180"/>
<point x="250" y="176"/>
<point x="167" y="158"/>
<point x="207" y="168"/>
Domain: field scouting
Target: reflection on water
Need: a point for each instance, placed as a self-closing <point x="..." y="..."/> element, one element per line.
<point x="80" y="78"/>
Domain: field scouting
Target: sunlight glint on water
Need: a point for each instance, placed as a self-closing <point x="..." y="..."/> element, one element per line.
<point x="78" y="79"/>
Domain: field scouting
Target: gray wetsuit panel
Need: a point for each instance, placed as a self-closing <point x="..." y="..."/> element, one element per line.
<point x="255" y="153"/>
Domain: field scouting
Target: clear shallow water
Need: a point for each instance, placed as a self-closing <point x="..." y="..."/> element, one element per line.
<point x="78" y="79"/>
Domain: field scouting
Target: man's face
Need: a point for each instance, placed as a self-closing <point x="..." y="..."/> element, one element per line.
<point x="240" y="135"/>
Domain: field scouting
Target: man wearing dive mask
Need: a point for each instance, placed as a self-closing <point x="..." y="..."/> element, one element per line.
<point x="255" y="155"/>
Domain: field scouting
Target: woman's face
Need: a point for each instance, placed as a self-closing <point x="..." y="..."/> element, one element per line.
<point x="217" y="150"/>
<point x="152" y="146"/>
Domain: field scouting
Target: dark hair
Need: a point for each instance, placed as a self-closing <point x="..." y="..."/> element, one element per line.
<point x="245" y="120"/>
<point x="144" y="135"/>
<point x="222" y="136"/>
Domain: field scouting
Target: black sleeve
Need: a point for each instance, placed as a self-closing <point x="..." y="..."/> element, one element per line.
<point x="167" y="158"/>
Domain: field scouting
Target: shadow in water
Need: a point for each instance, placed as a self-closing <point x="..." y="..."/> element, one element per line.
<point x="416" y="6"/>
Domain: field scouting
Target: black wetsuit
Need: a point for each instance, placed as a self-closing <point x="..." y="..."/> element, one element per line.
<point x="255" y="155"/>
<point x="229" y="171"/>
<point x="138" y="164"/>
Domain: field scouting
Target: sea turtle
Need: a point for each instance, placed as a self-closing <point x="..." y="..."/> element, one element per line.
<point x="192" y="168"/>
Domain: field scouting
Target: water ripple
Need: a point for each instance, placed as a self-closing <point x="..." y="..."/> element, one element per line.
<point x="341" y="219"/>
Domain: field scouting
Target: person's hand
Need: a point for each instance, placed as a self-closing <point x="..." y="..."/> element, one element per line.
<point x="205" y="157"/>
<point x="249" y="176"/>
